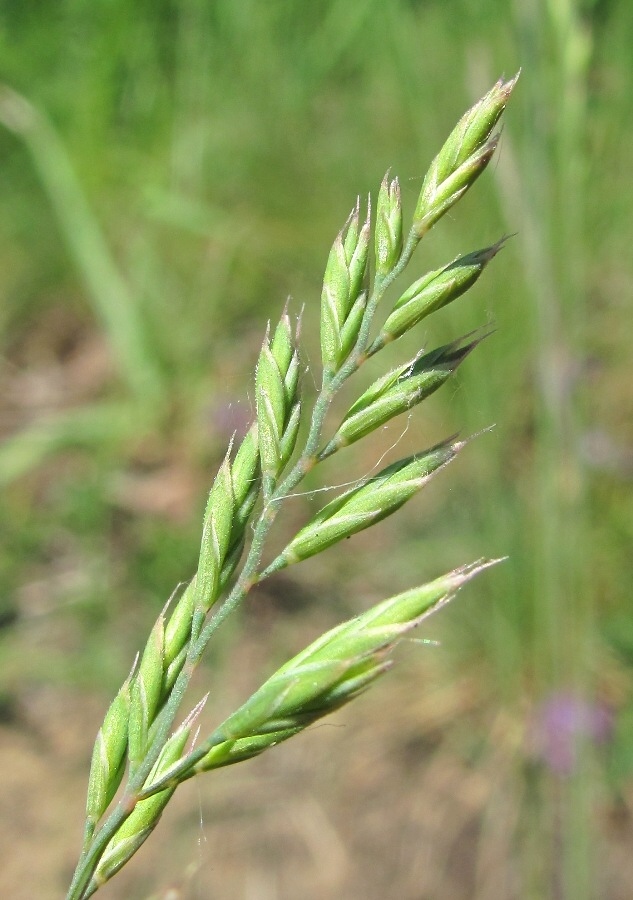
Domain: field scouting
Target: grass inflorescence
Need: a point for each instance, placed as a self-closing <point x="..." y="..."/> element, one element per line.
<point x="142" y="751"/>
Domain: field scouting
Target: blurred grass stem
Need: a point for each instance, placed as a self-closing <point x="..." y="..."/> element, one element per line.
<point x="112" y="300"/>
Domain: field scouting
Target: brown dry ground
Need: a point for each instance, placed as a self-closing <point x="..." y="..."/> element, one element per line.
<point x="378" y="802"/>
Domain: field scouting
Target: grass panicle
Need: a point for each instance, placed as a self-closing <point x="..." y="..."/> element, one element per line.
<point x="140" y="745"/>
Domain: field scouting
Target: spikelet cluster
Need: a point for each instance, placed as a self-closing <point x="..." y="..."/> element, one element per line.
<point x="140" y="748"/>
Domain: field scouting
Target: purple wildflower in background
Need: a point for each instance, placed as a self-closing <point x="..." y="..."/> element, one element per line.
<point x="562" y="723"/>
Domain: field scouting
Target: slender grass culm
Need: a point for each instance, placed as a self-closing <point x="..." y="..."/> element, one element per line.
<point x="141" y="752"/>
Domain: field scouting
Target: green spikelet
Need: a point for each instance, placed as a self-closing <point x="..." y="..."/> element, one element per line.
<point x="344" y="295"/>
<point x="463" y="157"/>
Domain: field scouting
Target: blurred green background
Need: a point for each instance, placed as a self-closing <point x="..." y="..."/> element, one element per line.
<point x="171" y="172"/>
